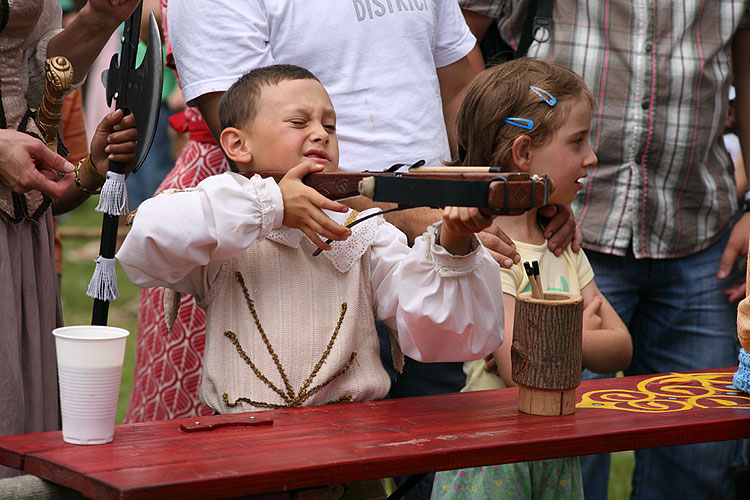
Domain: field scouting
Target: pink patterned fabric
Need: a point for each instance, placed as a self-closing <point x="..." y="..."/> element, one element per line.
<point x="168" y="366"/>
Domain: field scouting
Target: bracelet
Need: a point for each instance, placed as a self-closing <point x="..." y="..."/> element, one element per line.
<point x="93" y="171"/>
<point x="78" y="180"/>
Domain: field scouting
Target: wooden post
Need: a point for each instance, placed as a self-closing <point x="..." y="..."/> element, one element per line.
<point x="546" y="353"/>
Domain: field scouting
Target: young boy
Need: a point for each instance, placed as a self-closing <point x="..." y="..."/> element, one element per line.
<point x="284" y="328"/>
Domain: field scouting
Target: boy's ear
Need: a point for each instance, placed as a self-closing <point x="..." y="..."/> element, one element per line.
<point x="521" y="153"/>
<point x="236" y="145"/>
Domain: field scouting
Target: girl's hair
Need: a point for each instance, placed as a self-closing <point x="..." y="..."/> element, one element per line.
<point x="239" y="103"/>
<point x="500" y="92"/>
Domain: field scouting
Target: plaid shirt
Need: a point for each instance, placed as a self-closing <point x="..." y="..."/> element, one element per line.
<point x="660" y="73"/>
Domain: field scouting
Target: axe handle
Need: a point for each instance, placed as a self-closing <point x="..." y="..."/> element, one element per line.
<point x="59" y="79"/>
<point x="107" y="246"/>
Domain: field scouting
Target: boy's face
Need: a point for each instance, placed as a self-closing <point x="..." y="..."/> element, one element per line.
<point x="295" y="121"/>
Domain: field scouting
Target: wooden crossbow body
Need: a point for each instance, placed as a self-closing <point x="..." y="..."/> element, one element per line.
<point x="492" y="191"/>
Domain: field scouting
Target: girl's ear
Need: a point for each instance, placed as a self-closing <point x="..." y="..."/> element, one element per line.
<point x="521" y="153"/>
<point x="236" y="145"/>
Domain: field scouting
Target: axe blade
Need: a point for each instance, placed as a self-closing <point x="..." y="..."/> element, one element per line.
<point x="144" y="93"/>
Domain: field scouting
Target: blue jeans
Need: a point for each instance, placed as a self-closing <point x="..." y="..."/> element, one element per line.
<point x="679" y="320"/>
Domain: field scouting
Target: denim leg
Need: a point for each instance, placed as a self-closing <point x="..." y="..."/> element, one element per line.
<point x="682" y="321"/>
<point x="621" y="286"/>
<point x="418" y="379"/>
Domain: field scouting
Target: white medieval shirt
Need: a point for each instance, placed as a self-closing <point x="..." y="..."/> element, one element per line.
<point x="286" y="328"/>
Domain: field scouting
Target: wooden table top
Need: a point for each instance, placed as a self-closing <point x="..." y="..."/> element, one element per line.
<point x="307" y="447"/>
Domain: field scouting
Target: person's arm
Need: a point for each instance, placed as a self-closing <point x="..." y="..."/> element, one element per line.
<point x="478" y="24"/>
<point x="89" y="31"/>
<point x="454" y="79"/>
<point x="738" y="238"/>
<point x="444" y="307"/>
<point x="607" y="347"/>
<point x="106" y="144"/>
<point x="741" y="64"/>
<point x="180" y="239"/>
<point x="208" y="104"/>
<point x="606" y="344"/>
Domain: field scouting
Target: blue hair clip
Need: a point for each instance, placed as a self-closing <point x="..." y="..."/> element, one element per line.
<point x="544" y="95"/>
<point x="520" y="122"/>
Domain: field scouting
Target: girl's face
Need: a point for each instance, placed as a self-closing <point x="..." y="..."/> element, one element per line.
<point x="567" y="156"/>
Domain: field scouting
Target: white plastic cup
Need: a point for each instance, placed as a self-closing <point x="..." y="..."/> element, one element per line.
<point x="89" y="368"/>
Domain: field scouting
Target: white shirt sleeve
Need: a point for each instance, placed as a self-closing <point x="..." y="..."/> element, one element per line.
<point x="454" y="39"/>
<point x="180" y="239"/>
<point x="216" y="42"/>
<point x="444" y="307"/>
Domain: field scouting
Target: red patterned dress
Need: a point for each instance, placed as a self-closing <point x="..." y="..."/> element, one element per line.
<point x="168" y="365"/>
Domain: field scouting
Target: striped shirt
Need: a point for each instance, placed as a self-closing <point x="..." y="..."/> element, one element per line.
<point x="660" y="73"/>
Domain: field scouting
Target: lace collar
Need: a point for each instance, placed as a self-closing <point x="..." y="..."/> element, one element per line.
<point x="343" y="254"/>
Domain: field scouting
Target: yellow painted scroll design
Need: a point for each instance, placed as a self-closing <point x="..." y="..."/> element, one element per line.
<point x="671" y="392"/>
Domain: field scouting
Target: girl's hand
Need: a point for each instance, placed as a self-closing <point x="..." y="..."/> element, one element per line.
<point x="459" y="224"/>
<point x="115" y="140"/>
<point x="591" y="318"/>
<point x="303" y="204"/>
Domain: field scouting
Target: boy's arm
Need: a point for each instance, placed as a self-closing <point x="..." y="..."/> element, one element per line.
<point x="180" y="239"/>
<point x="444" y="307"/>
<point x="607" y="346"/>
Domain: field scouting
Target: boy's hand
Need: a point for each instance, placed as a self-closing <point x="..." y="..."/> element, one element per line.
<point x="459" y="224"/>
<point x="591" y="318"/>
<point x="303" y="204"/>
<point x="115" y="140"/>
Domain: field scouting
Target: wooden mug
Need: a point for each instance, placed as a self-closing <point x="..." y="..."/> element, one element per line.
<point x="546" y="353"/>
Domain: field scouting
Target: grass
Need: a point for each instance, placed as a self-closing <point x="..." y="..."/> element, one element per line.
<point x="80" y="250"/>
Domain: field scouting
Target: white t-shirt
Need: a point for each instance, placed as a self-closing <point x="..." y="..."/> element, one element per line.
<point x="376" y="58"/>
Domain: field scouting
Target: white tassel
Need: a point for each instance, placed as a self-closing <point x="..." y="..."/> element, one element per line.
<point x="103" y="284"/>
<point x="114" y="197"/>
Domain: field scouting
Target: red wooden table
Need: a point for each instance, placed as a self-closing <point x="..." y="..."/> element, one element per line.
<point x="307" y="447"/>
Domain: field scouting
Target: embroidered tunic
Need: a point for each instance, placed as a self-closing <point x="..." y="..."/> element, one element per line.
<point x="227" y="233"/>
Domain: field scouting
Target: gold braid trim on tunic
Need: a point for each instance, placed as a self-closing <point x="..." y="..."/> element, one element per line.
<point x="292" y="398"/>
